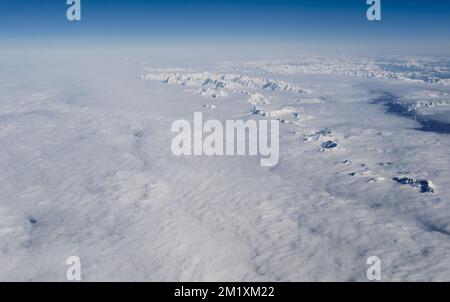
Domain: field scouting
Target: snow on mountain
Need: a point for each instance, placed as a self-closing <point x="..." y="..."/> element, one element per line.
<point x="428" y="104"/>
<point x="285" y="112"/>
<point x="258" y="99"/>
<point x="214" y="93"/>
<point x="426" y="99"/>
<point x="433" y="71"/>
<point x="222" y="84"/>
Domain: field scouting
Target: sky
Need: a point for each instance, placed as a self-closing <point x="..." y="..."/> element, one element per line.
<point x="421" y="25"/>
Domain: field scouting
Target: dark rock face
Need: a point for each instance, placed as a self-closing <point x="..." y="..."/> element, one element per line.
<point x="257" y="111"/>
<point x="404" y="180"/>
<point x="329" y="145"/>
<point x="32" y="220"/>
<point x="423" y="184"/>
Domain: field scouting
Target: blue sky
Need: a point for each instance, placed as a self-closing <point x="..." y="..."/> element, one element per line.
<point x="412" y="23"/>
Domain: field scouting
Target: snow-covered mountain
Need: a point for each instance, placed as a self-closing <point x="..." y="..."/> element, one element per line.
<point x="219" y="85"/>
<point x="427" y="70"/>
